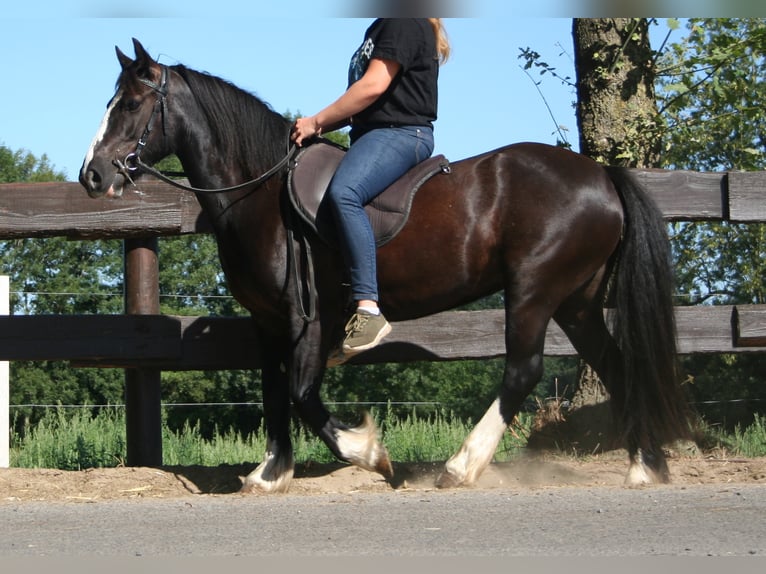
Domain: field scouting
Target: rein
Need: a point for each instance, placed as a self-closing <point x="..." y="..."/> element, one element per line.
<point x="136" y="165"/>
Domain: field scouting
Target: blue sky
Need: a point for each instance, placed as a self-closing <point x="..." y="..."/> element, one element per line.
<point x="59" y="71"/>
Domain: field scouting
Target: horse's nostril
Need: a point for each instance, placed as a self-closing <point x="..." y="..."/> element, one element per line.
<point x="93" y="178"/>
<point x="90" y="179"/>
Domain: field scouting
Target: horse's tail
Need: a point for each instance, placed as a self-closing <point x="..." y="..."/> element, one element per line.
<point x="654" y="407"/>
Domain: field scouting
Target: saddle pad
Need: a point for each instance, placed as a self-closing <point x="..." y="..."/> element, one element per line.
<point x="312" y="171"/>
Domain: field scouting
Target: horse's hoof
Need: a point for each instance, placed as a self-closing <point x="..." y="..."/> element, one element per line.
<point x="360" y="446"/>
<point x="249" y="488"/>
<point x="383" y="465"/>
<point x="264" y="487"/>
<point x="645" y="469"/>
<point x="268" y="478"/>
<point x="448" y="480"/>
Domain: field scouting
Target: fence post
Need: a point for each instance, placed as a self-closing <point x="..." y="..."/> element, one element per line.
<point x="143" y="414"/>
<point x="5" y="391"/>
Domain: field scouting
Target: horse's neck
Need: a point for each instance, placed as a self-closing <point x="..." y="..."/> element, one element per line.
<point x="227" y="210"/>
<point x="234" y="215"/>
<point x="208" y="172"/>
<point x="207" y="168"/>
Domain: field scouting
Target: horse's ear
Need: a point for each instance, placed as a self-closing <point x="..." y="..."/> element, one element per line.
<point x="142" y="56"/>
<point x="125" y="61"/>
<point x="145" y="66"/>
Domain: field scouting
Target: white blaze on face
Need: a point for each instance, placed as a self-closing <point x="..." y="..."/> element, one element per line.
<point x="101" y="131"/>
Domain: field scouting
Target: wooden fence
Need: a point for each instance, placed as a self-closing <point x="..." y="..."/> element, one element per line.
<point x="145" y="343"/>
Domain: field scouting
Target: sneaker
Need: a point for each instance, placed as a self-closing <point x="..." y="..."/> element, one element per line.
<point x="364" y="331"/>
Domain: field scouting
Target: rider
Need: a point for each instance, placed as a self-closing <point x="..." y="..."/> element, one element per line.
<point x="391" y="104"/>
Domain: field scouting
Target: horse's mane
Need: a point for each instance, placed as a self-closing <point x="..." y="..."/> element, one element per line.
<point x="246" y="130"/>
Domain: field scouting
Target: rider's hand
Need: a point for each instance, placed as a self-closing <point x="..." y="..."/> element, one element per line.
<point x="305" y="128"/>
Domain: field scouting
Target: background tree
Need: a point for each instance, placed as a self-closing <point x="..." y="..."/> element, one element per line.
<point x="21" y="165"/>
<point x="58" y="276"/>
<point x="711" y="89"/>
<point x="708" y="115"/>
<point x="615" y="102"/>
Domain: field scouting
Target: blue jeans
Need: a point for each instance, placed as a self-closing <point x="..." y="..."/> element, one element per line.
<point x="375" y="160"/>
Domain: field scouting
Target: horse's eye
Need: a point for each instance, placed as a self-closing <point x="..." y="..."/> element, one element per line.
<point x="132" y="105"/>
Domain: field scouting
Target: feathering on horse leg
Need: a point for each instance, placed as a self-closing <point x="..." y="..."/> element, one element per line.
<point x="358" y="445"/>
<point x="361" y="446"/>
<point x="275" y="472"/>
<point x="475" y="454"/>
<point x="273" y="475"/>
<point x="647" y="467"/>
<point x="646" y="457"/>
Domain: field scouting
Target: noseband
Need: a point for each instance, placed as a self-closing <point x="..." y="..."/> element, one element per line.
<point x="133" y="164"/>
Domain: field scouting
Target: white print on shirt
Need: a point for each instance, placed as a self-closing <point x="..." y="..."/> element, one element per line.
<point x="360" y="61"/>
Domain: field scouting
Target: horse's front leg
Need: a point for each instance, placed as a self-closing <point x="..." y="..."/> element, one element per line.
<point x="275" y="472"/>
<point x="359" y="445"/>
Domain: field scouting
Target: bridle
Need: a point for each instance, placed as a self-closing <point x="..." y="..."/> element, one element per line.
<point x="132" y="164"/>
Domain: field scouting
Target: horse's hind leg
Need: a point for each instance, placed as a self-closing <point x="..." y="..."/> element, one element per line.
<point x="476" y="452"/>
<point x="523" y="370"/>
<point x="589" y="335"/>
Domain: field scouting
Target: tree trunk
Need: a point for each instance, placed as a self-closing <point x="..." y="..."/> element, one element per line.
<point x="616" y="108"/>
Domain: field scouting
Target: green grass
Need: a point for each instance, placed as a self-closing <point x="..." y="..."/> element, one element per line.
<point x="77" y="440"/>
<point x="72" y="441"/>
<point x="438" y="437"/>
<point x="747" y="442"/>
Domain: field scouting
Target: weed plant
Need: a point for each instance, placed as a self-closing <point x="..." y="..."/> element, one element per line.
<point x="748" y="442"/>
<point x="78" y="440"/>
<point x="72" y="440"/>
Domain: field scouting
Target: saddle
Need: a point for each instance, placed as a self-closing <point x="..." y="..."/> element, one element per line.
<point x="313" y="168"/>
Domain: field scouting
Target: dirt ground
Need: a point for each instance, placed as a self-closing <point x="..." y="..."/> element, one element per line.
<point x="526" y="472"/>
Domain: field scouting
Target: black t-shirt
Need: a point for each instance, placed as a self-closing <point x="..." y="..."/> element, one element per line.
<point x="411" y="99"/>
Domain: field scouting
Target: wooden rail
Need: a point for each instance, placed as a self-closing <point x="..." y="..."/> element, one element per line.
<point x="173" y="343"/>
<point x="157" y="209"/>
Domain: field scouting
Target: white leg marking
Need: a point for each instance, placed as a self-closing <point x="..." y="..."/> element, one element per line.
<point x="639" y="473"/>
<point x="360" y="446"/>
<point x="271" y="476"/>
<point x="467" y="464"/>
<point x="100" y="133"/>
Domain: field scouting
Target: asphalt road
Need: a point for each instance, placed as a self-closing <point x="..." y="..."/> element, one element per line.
<point x="711" y="520"/>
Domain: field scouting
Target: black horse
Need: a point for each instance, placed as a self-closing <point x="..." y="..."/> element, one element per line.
<point x="555" y="231"/>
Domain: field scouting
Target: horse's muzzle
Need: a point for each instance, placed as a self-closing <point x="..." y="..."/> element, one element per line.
<point x="94" y="183"/>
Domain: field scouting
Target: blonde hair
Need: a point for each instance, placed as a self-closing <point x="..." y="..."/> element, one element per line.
<point x="442" y="43"/>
